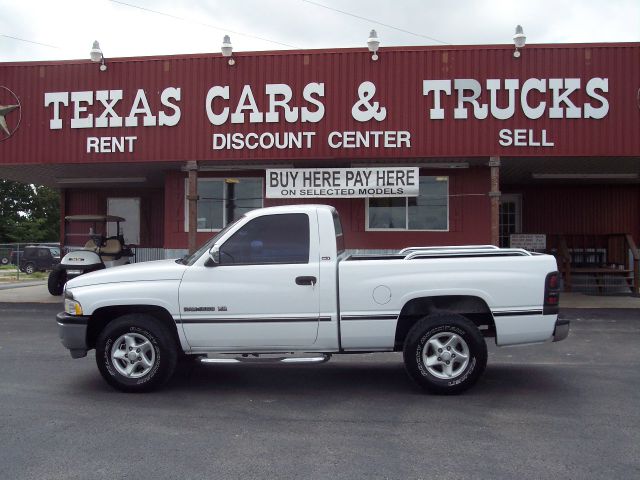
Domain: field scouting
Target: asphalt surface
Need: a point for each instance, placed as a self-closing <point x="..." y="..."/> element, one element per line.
<point x="564" y="410"/>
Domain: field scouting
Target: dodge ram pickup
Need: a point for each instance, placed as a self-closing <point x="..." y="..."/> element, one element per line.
<point x="277" y="286"/>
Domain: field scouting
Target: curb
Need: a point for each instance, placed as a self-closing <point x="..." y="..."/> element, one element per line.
<point x="22" y="285"/>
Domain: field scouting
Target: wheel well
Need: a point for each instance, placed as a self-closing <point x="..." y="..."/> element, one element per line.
<point x="473" y="308"/>
<point x="103" y="316"/>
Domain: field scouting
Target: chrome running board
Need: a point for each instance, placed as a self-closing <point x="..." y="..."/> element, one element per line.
<point x="256" y="358"/>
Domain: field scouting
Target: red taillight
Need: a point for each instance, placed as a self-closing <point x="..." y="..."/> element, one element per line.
<point x="551" y="294"/>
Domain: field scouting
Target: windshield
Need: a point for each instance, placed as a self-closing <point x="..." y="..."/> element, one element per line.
<point x="191" y="259"/>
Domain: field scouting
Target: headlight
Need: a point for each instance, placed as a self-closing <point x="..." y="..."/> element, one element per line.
<point x="72" y="307"/>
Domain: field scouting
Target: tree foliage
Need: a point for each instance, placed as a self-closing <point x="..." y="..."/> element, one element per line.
<point x="28" y="213"/>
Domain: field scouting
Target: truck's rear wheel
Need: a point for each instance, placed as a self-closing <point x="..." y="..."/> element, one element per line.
<point x="445" y="353"/>
<point x="136" y="353"/>
<point x="56" y="281"/>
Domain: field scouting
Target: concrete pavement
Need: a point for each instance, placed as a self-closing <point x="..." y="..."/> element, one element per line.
<point x="581" y="300"/>
<point x="562" y="410"/>
<point x="32" y="292"/>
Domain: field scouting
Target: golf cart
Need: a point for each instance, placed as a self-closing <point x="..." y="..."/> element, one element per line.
<point x="98" y="252"/>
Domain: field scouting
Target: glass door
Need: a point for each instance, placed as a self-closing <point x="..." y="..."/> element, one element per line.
<point x="510" y="217"/>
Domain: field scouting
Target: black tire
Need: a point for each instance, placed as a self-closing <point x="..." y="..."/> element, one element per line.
<point x="462" y="332"/>
<point x="56" y="281"/>
<point x="29" y="268"/>
<point x="4" y="261"/>
<point x="163" y="346"/>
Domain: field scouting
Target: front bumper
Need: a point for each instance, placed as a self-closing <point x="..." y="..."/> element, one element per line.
<point x="561" y="330"/>
<point x="72" y="330"/>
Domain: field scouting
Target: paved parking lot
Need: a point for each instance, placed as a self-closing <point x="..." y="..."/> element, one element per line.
<point x="564" y="410"/>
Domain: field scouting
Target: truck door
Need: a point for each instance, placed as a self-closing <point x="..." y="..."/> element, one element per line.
<point x="262" y="293"/>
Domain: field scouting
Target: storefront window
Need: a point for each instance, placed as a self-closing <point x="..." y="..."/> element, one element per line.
<point x="221" y="201"/>
<point x="428" y="211"/>
<point x="210" y="201"/>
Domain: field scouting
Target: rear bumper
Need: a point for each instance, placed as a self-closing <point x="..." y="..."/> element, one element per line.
<point x="72" y="330"/>
<point x="561" y="330"/>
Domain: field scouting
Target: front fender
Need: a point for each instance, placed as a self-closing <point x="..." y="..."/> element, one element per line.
<point x="161" y="293"/>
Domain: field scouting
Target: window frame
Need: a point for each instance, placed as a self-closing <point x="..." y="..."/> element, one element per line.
<point x="225" y="220"/>
<point x="406" y="209"/>
<point x="339" y="236"/>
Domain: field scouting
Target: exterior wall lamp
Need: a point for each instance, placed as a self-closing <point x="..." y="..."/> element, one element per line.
<point x="227" y="49"/>
<point x="96" y="56"/>
<point x="373" y="43"/>
<point x="519" y="39"/>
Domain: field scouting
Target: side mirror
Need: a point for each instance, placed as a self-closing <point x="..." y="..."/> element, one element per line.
<point x="214" y="254"/>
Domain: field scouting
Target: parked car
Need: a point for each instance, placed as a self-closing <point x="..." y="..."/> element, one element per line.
<point x="38" y="258"/>
<point x="14" y="257"/>
<point x="277" y="282"/>
<point x="5" y="255"/>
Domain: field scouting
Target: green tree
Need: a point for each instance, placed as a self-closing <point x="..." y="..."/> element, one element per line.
<point x="46" y="212"/>
<point x="28" y="213"/>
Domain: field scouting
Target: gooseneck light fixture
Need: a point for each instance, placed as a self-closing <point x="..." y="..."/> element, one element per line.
<point x="373" y="43"/>
<point x="97" y="56"/>
<point x="227" y="49"/>
<point x="519" y="39"/>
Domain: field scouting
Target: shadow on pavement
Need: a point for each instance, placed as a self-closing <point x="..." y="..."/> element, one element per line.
<point x="328" y="381"/>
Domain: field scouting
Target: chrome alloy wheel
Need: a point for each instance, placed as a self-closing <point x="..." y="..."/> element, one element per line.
<point x="445" y="355"/>
<point x="133" y="355"/>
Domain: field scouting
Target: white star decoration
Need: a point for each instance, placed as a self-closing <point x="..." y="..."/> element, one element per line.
<point x="4" y="110"/>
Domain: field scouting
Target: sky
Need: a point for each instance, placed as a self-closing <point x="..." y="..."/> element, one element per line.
<point x="32" y="30"/>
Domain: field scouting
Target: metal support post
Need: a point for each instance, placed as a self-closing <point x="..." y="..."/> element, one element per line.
<point x="192" y="198"/>
<point x="494" y="197"/>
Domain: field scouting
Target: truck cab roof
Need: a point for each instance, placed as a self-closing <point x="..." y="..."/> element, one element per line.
<point x="287" y="209"/>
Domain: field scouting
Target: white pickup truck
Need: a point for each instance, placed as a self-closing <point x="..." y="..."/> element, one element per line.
<point x="276" y="286"/>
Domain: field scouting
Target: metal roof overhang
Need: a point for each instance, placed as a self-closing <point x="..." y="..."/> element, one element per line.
<point x="93" y="218"/>
<point x="513" y="170"/>
<point x="537" y="170"/>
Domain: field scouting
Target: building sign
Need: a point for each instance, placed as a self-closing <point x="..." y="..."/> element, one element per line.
<point x="528" y="241"/>
<point x="365" y="108"/>
<point x="199" y="108"/>
<point x="343" y="182"/>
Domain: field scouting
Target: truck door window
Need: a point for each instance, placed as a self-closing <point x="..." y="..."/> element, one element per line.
<point x="270" y="239"/>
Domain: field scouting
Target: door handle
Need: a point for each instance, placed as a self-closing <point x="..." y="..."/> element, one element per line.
<point x="306" y="280"/>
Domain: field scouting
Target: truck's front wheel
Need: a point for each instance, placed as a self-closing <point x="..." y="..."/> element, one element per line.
<point x="445" y="353"/>
<point x="136" y="353"/>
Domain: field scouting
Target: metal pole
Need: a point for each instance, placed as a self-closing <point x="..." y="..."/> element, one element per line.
<point x="18" y="255"/>
<point x="494" y="196"/>
<point x="192" y="198"/>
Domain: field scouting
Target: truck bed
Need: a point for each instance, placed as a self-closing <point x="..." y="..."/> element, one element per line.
<point x="374" y="288"/>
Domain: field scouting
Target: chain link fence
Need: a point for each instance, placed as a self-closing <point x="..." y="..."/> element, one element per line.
<point x="24" y="261"/>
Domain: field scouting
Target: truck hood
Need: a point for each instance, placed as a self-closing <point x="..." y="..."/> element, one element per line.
<point x="149" y="271"/>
